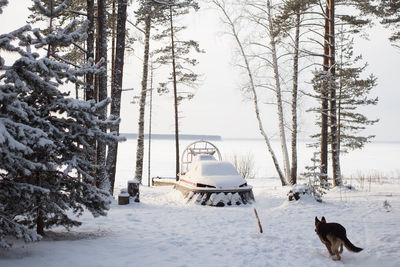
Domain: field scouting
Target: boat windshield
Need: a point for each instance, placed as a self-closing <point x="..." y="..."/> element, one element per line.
<point x="218" y="168"/>
<point x="204" y="157"/>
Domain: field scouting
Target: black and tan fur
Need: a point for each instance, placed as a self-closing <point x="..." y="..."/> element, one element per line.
<point x="333" y="236"/>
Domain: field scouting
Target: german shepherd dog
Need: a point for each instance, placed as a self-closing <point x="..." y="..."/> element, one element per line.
<point x="333" y="236"/>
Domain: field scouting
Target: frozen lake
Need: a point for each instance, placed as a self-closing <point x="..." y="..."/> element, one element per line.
<point x="377" y="158"/>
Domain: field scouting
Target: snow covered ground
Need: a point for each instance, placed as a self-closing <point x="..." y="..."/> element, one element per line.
<point x="164" y="231"/>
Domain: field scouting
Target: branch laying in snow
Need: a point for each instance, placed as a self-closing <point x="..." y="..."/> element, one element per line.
<point x="258" y="221"/>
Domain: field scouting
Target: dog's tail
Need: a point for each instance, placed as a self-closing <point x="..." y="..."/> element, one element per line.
<point x="350" y="246"/>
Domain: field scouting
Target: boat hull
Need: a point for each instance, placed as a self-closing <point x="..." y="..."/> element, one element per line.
<point x="216" y="197"/>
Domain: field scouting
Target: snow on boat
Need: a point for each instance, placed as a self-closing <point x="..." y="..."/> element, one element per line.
<point x="208" y="181"/>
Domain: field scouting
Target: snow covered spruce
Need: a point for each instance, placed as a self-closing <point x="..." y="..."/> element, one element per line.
<point x="46" y="177"/>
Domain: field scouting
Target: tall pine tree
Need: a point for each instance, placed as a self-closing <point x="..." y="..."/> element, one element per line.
<point x="354" y="89"/>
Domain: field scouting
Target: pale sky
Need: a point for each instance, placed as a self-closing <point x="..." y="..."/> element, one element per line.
<point x="218" y="107"/>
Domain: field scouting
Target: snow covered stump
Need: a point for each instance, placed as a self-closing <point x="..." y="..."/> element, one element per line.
<point x="123" y="197"/>
<point x="300" y="191"/>
<point x="133" y="189"/>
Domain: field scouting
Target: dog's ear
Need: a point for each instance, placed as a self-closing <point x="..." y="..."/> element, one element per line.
<point x="323" y="219"/>
<point x="316" y="221"/>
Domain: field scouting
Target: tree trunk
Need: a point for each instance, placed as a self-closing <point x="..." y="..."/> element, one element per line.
<point x="175" y="98"/>
<point x="97" y="59"/>
<point x="89" y="90"/>
<point x="76" y="91"/>
<point x="266" y="139"/>
<point x="50" y="26"/>
<point x="142" y="103"/>
<point x="293" y="172"/>
<point x="324" y="105"/>
<point x="275" y="66"/>
<point x="339" y="112"/>
<point x="254" y="93"/>
<point x="103" y="181"/>
<point x="340" y="88"/>
<point x="96" y="90"/>
<point x="39" y="219"/>
<point x="150" y="120"/>
<point x="117" y="88"/>
<point x="89" y="95"/>
<point x="337" y="180"/>
<point x="113" y="24"/>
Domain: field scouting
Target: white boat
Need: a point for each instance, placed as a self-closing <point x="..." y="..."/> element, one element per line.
<point x="207" y="180"/>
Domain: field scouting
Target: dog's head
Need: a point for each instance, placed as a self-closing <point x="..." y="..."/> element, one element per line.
<point x="318" y="223"/>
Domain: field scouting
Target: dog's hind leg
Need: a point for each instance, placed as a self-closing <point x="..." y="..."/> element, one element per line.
<point x="335" y="249"/>
<point x="337" y="256"/>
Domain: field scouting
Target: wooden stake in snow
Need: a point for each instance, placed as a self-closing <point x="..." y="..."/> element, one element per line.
<point x="258" y="221"/>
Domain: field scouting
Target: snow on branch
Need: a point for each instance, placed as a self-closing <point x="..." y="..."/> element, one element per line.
<point x="79" y="12"/>
<point x="63" y="37"/>
<point x="3" y="3"/>
<point x="179" y="4"/>
<point x="52" y="12"/>
<point x="12" y="192"/>
<point x="6" y="39"/>
<point x="9" y="227"/>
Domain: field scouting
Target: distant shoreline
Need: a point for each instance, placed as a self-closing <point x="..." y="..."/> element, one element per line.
<point x="172" y="137"/>
<point x="220" y="138"/>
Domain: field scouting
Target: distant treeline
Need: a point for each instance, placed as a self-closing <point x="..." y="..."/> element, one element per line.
<point x="172" y="137"/>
